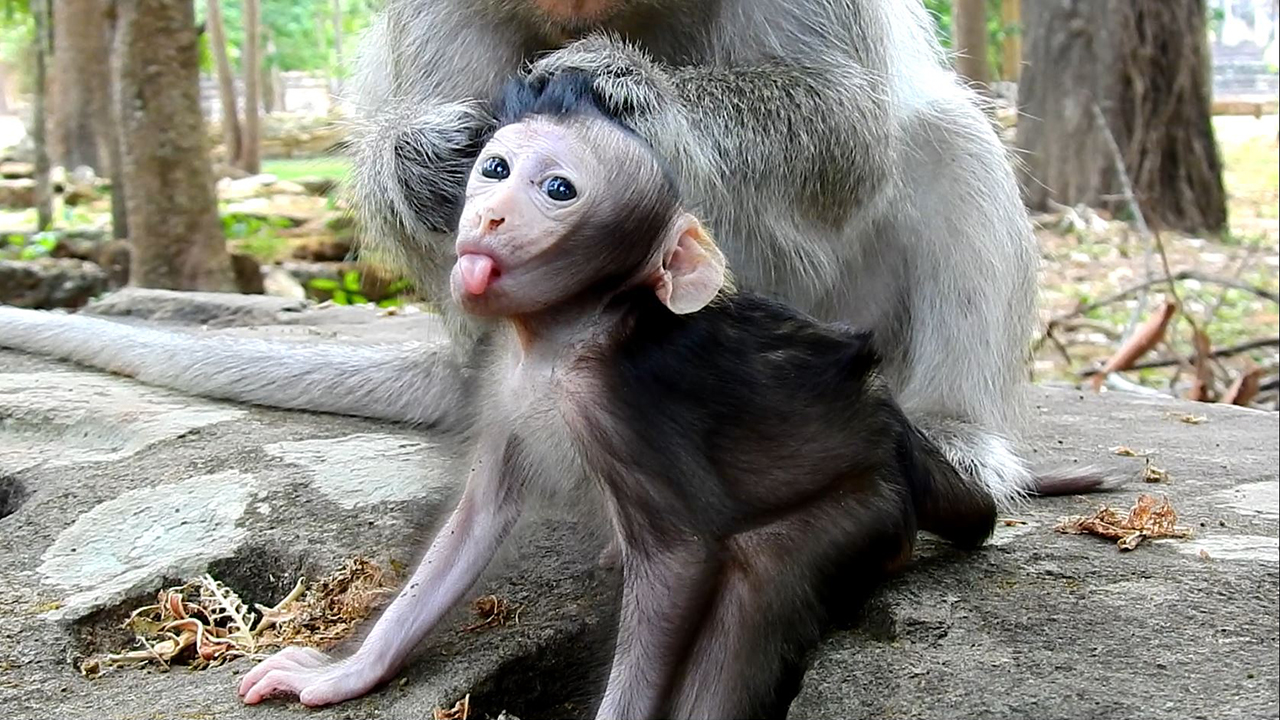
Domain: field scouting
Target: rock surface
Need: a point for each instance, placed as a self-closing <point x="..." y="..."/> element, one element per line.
<point x="111" y="490"/>
<point x="50" y="282"/>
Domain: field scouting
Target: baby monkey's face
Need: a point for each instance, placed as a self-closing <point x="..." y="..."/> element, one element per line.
<point x="529" y="188"/>
<point x="566" y="210"/>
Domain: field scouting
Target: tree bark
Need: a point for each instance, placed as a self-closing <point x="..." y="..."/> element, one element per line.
<point x="81" y="102"/>
<point x="44" y="198"/>
<point x="969" y="40"/>
<point x="251" y="66"/>
<point x="172" y="210"/>
<point x="1145" y="65"/>
<point x="226" y="80"/>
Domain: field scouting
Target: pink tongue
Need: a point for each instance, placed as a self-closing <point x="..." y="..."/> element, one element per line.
<point x="477" y="272"/>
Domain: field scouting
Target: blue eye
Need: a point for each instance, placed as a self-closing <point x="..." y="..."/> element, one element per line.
<point x="559" y="189"/>
<point x="495" y="168"/>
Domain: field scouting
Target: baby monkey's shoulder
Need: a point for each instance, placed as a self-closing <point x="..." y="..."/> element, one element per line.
<point x="751" y="338"/>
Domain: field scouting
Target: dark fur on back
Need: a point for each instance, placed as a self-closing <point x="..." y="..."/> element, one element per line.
<point x="749" y="393"/>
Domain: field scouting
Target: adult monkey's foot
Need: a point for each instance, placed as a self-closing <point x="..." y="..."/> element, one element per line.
<point x="313" y="677"/>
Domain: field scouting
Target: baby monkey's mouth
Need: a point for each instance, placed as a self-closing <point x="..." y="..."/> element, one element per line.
<point x="478" y="271"/>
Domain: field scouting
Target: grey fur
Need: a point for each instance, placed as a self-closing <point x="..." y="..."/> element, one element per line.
<point x="836" y="159"/>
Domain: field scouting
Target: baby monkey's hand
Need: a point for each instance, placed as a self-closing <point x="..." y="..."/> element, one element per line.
<point x="313" y="677"/>
<point x="628" y="82"/>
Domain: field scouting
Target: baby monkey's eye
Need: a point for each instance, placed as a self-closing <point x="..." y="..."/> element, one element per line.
<point x="559" y="189"/>
<point x="495" y="168"/>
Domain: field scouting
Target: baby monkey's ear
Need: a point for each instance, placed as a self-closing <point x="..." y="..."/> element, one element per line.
<point x="692" y="271"/>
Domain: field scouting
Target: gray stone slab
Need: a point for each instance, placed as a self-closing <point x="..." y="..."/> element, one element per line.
<point x="1044" y="625"/>
<point x="110" y="490"/>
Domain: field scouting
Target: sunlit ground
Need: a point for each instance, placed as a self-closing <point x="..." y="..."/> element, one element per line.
<point x="294" y="169"/>
<point x="1092" y="264"/>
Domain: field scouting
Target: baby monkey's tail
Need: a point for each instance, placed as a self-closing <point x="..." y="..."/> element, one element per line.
<point x="958" y="510"/>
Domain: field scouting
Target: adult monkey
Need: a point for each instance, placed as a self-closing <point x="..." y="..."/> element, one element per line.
<point x="826" y="144"/>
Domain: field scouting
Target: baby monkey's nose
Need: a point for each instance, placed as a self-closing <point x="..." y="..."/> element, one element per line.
<point x="490" y="221"/>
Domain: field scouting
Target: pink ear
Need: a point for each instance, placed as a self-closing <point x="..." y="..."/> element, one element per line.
<point x="692" y="270"/>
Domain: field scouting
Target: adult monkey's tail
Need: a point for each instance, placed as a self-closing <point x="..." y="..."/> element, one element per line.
<point x="1079" y="480"/>
<point x="413" y="382"/>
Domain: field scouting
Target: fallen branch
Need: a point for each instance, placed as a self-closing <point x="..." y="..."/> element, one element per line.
<point x="1261" y="292"/>
<point x="1140" y="343"/>
<point x="1179" y="360"/>
<point x="1202" y="385"/>
<point x="1245" y="388"/>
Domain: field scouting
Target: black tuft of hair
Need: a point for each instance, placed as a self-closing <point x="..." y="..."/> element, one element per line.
<point x="565" y="95"/>
<point x="570" y="94"/>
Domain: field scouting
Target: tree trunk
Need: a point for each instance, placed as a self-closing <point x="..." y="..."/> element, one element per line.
<point x="251" y="65"/>
<point x="81" y="117"/>
<point x="44" y="199"/>
<point x="272" y="82"/>
<point x="173" y="213"/>
<point x="119" y="210"/>
<point x="1145" y="65"/>
<point x="1011" y="62"/>
<point x="969" y="40"/>
<point x="226" y="80"/>
<point x="335" y="75"/>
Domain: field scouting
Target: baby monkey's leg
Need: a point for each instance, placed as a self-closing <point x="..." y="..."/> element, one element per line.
<point x="768" y="606"/>
<point x="664" y="593"/>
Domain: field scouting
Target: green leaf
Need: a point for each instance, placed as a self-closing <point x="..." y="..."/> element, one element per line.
<point x="326" y="284"/>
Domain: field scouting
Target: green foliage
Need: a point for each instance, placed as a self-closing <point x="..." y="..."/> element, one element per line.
<point x="257" y="236"/>
<point x="337" y="168"/>
<point x="302" y="32"/>
<point x="17" y="27"/>
<point x="347" y="291"/>
<point x="30" y="248"/>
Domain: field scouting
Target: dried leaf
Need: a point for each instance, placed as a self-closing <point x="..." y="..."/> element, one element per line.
<point x="1145" y="337"/>
<point x="1153" y="474"/>
<point x="205" y="623"/>
<point x="1126" y="451"/>
<point x="1245" y="387"/>
<point x="494" y="611"/>
<point x="225" y="605"/>
<point x="460" y="710"/>
<point x="1010" y="522"/>
<point x="1193" y="419"/>
<point x="1148" y="518"/>
<point x="330" y="608"/>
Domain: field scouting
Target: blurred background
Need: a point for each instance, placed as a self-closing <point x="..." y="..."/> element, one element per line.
<point x="1145" y="134"/>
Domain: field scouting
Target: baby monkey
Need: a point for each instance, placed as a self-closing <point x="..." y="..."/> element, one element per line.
<point x="749" y="459"/>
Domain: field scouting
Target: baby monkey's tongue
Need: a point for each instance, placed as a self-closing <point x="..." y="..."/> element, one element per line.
<point x="477" y="272"/>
